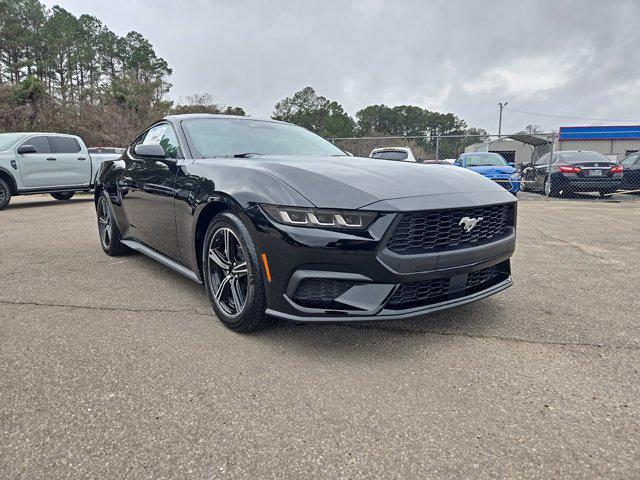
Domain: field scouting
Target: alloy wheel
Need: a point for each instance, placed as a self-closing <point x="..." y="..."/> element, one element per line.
<point x="228" y="272"/>
<point x="104" y="223"/>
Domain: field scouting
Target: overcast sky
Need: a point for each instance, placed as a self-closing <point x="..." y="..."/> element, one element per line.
<point x="574" y="58"/>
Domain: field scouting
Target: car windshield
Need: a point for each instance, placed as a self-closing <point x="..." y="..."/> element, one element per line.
<point x="485" y="161"/>
<point x="226" y="137"/>
<point x="390" y="155"/>
<point x="7" y="140"/>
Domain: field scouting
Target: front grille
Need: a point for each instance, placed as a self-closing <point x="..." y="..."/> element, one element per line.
<point x="440" y="230"/>
<point x="482" y="276"/>
<point x="321" y="292"/>
<point x="417" y="293"/>
<point x="428" y="292"/>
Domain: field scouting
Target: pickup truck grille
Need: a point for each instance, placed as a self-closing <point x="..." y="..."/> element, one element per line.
<point x="440" y="230"/>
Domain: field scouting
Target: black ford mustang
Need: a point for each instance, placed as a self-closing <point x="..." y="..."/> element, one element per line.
<point x="277" y="222"/>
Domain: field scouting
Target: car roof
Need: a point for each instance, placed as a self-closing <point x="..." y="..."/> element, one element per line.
<point x="481" y="153"/>
<point x="576" y="151"/>
<point x="187" y="116"/>
<point x="54" y="134"/>
<point x="391" y="149"/>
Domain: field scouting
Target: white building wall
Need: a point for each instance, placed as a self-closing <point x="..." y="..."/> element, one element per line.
<point x="522" y="150"/>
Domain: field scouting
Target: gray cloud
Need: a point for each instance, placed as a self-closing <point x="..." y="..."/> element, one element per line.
<point x="577" y="58"/>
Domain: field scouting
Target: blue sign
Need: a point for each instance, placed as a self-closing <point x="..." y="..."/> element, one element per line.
<point x="618" y="132"/>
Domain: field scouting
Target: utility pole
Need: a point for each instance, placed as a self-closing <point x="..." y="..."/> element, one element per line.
<point x="501" y="105"/>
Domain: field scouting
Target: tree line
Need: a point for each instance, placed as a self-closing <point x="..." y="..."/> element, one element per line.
<point x="328" y="119"/>
<point x="59" y="72"/>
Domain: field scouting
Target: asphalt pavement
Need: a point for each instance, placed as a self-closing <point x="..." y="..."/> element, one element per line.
<point x="117" y="367"/>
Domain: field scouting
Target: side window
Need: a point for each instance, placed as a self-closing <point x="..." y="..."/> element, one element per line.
<point x="65" y="144"/>
<point x="41" y="144"/>
<point x="164" y="136"/>
<point x="170" y="143"/>
<point x="630" y="160"/>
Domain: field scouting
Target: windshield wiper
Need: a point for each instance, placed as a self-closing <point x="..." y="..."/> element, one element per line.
<point x="246" y="155"/>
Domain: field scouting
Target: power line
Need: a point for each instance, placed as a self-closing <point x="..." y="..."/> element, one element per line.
<point x="569" y="116"/>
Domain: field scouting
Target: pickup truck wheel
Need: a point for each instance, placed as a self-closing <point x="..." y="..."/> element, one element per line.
<point x="63" y="195"/>
<point x="5" y="194"/>
<point x="110" y="238"/>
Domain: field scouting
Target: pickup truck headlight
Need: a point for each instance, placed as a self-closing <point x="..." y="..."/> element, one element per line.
<point x="319" y="217"/>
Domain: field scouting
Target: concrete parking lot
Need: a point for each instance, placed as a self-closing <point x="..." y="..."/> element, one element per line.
<point x="116" y="367"/>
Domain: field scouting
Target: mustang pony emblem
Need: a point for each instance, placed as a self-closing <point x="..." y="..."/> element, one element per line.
<point x="469" y="223"/>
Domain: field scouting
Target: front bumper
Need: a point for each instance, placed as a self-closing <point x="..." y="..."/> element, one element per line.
<point x="370" y="274"/>
<point x="509" y="183"/>
<point x="396" y="315"/>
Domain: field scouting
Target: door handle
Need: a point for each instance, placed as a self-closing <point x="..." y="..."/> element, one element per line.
<point x="51" y="159"/>
<point x="81" y="158"/>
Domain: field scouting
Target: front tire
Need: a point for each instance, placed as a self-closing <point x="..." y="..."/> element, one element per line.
<point x="63" y="196"/>
<point x="110" y="239"/>
<point x="523" y="185"/>
<point x="550" y="190"/>
<point x="232" y="275"/>
<point x="5" y="194"/>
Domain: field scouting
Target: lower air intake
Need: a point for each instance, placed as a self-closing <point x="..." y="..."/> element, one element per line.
<point x="321" y="292"/>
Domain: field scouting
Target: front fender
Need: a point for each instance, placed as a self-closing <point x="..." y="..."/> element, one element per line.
<point x="198" y="185"/>
<point x="107" y="181"/>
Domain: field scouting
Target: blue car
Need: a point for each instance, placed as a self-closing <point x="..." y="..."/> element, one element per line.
<point x="492" y="166"/>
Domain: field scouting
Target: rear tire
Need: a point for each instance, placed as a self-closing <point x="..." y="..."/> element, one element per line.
<point x="63" y="196"/>
<point x="5" y="194"/>
<point x="110" y="239"/>
<point x="233" y="276"/>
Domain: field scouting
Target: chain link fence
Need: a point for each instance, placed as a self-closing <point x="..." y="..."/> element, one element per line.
<point x="530" y="165"/>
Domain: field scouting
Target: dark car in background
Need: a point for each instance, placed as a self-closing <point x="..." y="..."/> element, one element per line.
<point x="278" y="222"/>
<point x="631" y="167"/>
<point x="571" y="172"/>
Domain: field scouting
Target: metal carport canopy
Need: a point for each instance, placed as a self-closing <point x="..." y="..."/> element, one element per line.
<point x="529" y="139"/>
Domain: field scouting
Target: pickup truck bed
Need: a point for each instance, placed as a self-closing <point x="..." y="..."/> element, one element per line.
<point x="32" y="162"/>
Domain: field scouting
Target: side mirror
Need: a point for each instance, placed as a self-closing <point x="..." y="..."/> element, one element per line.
<point x="155" y="152"/>
<point x="24" y="149"/>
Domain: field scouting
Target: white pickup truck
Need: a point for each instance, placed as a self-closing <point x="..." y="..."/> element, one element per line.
<point x="52" y="163"/>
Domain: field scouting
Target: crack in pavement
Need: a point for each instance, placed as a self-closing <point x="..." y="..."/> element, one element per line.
<point x="110" y="309"/>
<point x="516" y="340"/>
<point x="370" y="326"/>
<point x="580" y="248"/>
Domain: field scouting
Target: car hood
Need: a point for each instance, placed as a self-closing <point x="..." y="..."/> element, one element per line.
<point x="497" y="170"/>
<point x="352" y="182"/>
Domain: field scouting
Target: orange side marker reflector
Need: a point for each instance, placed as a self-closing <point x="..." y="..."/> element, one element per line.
<point x="266" y="266"/>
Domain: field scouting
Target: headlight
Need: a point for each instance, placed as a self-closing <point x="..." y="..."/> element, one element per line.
<point x="320" y="218"/>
